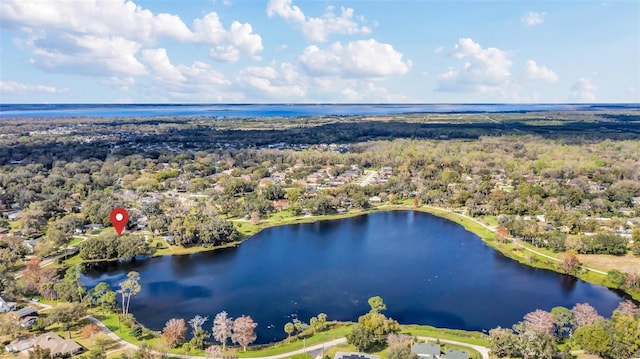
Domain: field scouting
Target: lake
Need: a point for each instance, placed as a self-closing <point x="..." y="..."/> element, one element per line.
<point x="427" y="269"/>
<point x="279" y="110"/>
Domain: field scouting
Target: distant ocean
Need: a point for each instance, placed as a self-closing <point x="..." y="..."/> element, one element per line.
<point x="279" y="110"/>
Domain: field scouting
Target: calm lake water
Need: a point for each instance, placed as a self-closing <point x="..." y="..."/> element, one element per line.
<point x="280" y="110"/>
<point x="427" y="269"/>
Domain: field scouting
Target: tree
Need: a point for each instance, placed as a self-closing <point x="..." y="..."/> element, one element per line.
<point x="564" y="321"/>
<point x="594" y="338"/>
<point x="70" y="289"/>
<point x="617" y="278"/>
<point x="314" y="324"/>
<point x="199" y="335"/>
<point x="213" y="351"/>
<point x="532" y="343"/>
<point x="540" y="321"/>
<point x="129" y="288"/>
<point x="502" y="342"/>
<point x="401" y="352"/>
<point x="585" y="314"/>
<point x="244" y="331"/>
<point x="89" y="331"/>
<point x="377" y="304"/>
<point x="322" y="320"/>
<point x="104" y="296"/>
<point x="222" y="328"/>
<point x="627" y="307"/>
<point x="362" y="338"/>
<point x="67" y="314"/>
<point x="289" y="328"/>
<point x="174" y="332"/>
<point x="569" y="262"/>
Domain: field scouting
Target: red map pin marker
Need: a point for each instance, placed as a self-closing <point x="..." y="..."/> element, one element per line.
<point x="119" y="218"/>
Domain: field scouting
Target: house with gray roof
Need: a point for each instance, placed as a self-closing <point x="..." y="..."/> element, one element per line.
<point x="59" y="347"/>
<point x="343" y="355"/>
<point x="456" y="354"/>
<point x="426" y="351"/>
<point x="6" y="306"/>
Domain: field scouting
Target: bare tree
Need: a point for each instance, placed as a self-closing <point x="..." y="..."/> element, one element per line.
<point x="585" y="314"/>
<point x="627" y="307"/>
<point x="213" y="351"/>
<point x="222" y="328"/>
<point x="570" y="262"/>
<point x="197" y="322"/>
<point x="540" y="321"/>
<point x="174" y="332"/>
<point x="244" y="331"/>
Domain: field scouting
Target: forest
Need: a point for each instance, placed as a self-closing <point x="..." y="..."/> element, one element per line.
<point x="566" y="182"/>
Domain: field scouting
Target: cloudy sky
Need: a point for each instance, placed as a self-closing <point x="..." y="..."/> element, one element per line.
<point x="288" y="51"/>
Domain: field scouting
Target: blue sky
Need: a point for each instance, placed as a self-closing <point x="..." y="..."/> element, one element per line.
<point x="292" y="51"/>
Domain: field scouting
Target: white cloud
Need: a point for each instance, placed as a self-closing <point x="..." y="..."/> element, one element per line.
<point x="318" y="29"/>
<point x="535" y="72"/>
<point x="103" y="37"/>
<point x="533" y="18"/>
<point x="356" y="59"/>
<point x="197" y="82"/>
<point x="484" y="70"/>
<point x="18" y="88"/>
<point x="583" y="91"/>
<point x="273" y="82"/>
<point x="83" y="54"/>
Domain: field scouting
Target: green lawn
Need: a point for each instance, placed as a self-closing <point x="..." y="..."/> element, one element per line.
<point x="476" y="338"/>
<point x="283" y="347"/>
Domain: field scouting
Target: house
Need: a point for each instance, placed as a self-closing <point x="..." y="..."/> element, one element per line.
<point x="426" y="351"/>
<point x="93" y="226"/>
<point x="24" y="312"/>
<point x="6" y="306"/>
<point x="455" y="354"/>
<point x="375" y="199"/>
<point x="28" y="321"/>
<point x="3" y="231"/>
<point x="635" y="200"/>
<point x="343" y="355"/>
<point x="59" y="347"/>
<point x="30" y="244"/>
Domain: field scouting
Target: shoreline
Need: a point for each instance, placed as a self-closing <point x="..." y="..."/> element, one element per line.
<point x="509" y="249"/>
<point x="513" y="249"/>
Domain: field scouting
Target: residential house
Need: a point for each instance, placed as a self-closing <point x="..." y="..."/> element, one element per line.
<point x="426" y="351"/>
<point x="343" y="355"/>
<point x="6" y="306"/>
<point x="635" y="200"/>
<point x="455" y="354"/>
<point x="375" y="199"/>
<point x="24" y="312"/>
<point x="59" y="347"/>
<point x="281" y="204"/>
<point x="3" y="231"/>
<point x="30" y="244"/>
<point x="93" y="226"/>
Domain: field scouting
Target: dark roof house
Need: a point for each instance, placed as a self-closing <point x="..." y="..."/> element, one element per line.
<point x="343" y="355"/>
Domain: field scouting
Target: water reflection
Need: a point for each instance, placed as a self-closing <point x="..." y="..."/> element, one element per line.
<point x="428" y="270"/>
